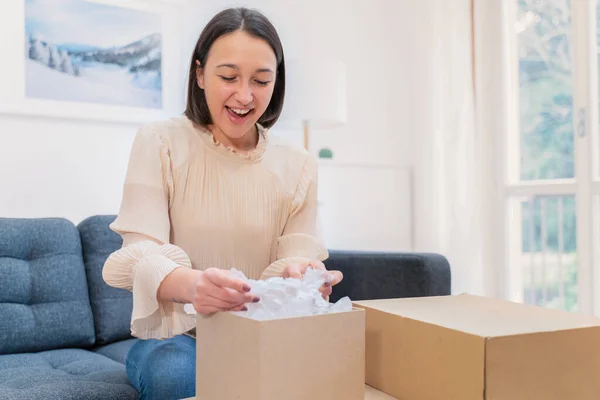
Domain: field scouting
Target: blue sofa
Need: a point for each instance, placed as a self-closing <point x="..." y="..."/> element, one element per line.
<point x="64" y="333"/>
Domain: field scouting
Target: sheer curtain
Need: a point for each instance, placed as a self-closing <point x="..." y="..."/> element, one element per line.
<point x="496" y="115"/>
<point x="451" y="172"/>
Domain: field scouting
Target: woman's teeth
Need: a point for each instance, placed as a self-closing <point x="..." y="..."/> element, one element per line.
<point x="240" y="111"/>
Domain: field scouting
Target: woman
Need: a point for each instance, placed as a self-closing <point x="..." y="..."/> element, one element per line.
<point x="209" y="191"/>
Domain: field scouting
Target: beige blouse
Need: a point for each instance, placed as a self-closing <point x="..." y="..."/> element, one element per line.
<point x="189" y="201"/>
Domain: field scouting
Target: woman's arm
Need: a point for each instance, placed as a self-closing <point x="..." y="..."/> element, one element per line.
<point x="300" y="246"/>
<point x="147" y="257"/>
<point x="179" y="286"/>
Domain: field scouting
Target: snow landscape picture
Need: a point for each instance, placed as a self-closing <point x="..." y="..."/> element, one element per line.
<point x="88" y="52"/>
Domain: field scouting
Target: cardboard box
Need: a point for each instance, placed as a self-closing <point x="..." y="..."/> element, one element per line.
<point x="319" y="357"/>
<point x="475" y="348"/>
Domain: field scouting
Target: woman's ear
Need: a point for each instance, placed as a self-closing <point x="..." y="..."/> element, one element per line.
<point x="199" y="75"/>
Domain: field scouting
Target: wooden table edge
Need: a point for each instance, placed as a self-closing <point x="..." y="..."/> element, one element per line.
<point x="370" y="394"/>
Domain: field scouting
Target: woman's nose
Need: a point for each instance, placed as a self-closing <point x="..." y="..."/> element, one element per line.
<point x="243" y="94"/>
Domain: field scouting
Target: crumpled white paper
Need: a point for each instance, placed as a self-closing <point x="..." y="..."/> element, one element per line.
<point x="289" y="297"/>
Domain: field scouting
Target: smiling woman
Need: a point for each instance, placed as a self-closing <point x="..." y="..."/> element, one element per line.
<point x="208" y="191"/>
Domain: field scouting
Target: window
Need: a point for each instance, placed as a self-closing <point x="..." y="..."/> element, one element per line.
<point x="552" y="190"/>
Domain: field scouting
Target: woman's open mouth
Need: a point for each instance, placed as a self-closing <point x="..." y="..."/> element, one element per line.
<point x="239" y="115"/>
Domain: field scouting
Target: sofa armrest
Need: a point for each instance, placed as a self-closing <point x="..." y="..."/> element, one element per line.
<point x="372" y="275"/>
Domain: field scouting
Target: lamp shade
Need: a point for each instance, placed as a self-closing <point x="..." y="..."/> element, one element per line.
<point x="315" y="93"/>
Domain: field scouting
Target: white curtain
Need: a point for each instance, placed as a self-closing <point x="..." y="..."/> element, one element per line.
<point x="449" y="167"/>
<point x="496" y="115"/>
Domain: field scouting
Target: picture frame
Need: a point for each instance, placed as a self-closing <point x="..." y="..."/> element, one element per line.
<point x="24" y="85"/>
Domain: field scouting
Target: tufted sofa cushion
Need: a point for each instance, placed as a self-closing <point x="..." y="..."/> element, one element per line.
<point x="44" y="301"/>
<point x="116" y="351"/>
<point x="68" y="374"/>
<point x="111" y="307"/>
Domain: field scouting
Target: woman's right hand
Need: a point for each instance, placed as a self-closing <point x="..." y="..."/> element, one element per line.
<point x="217" y="290"/>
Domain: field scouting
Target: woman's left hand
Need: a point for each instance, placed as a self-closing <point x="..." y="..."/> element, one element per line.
<point x="297" y="271"/>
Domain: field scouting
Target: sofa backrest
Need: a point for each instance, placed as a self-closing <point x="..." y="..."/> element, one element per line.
<point x="111" y="307"/>
<point x="44" y="302"/>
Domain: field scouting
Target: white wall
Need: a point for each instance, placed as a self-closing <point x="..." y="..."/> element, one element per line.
<point x="61" y="168"/>
<point x="72" y="169"/>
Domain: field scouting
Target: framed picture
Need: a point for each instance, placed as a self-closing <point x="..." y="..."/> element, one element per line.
<point x="93" y="59"/>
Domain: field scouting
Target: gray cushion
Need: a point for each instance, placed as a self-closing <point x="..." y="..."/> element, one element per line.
<point x="69" y="374"/>
<point x="44" y="301"/>
<point x="112" y="307"/>
<point x="373" y="275"/>
<point x="116" y="351"/>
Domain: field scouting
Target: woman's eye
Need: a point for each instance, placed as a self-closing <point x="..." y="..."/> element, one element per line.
<point x="228" y="78"/>
<point x="263" y="83"/>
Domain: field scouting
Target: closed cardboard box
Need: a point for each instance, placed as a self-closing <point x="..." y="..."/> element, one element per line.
<point x="319" y="357"/>
<point x="475" y="348"/>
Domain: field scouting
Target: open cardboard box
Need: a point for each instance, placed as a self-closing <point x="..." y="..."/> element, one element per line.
<point x="475" y="348"/>
<point x="319" y="357"/>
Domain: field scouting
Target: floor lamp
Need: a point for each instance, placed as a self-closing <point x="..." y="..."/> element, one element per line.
<point x="315" y="95"/>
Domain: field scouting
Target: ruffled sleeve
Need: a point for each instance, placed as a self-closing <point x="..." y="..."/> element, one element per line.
<point x="301" y="241"/>
<point x="146" y="257"/>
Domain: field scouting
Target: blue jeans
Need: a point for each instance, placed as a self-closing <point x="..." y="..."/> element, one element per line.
<point x="163" y="369"/>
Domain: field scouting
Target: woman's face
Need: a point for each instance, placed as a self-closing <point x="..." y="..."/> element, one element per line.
<point x="238" y="81"/>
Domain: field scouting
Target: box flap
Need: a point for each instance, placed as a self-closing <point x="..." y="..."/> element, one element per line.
<point x="481" y="316"/>
<point x="404" y="356"/>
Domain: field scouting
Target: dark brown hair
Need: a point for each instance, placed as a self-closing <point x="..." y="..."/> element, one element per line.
<point x="228" y="21"/>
